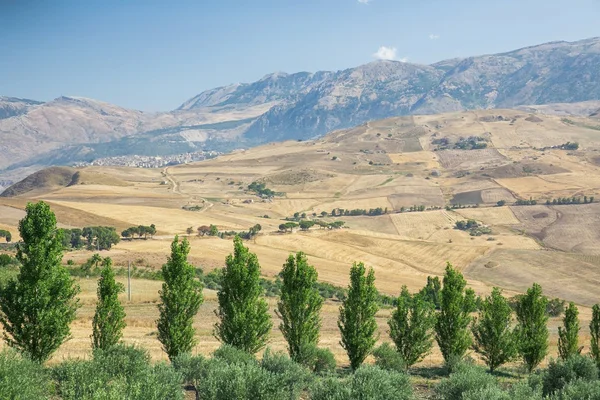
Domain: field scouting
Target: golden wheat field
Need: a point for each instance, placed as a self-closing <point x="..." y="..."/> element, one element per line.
<point x="355" y="169"/>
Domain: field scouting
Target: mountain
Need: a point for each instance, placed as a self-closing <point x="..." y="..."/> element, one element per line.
<point x="296" y="106"/>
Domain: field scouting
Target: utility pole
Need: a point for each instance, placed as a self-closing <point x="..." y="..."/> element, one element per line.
<point x="129" y="280"/>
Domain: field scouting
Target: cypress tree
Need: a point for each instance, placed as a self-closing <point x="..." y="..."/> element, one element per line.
<point x="532" y="326"/>
<point x="595" y="334"/>
<point x="299" y="307"/>
<point x="180" y="299"/>
<point x="357" y="322"/>
<point x="494" y="338"/>
<point x="37" y="308"/>
<point x="411" y="326"/>
<point x="109" y="319"/>
<point x="568" y="335"/>
<point x="244" y="320"/>
<point x="452" y="326"/>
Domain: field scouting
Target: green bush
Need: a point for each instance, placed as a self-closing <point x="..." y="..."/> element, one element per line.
<point x="487" y="393"/>
<point x="562" y="372"/>
<point x="121" y="372"/>
<point x="289" y="374"/>
<point x="579" y="390"/>
<point x="122" y="360"/>
<point x="466" y="379"/>
<point x="190" y="367"/>
<point x="374" y="383"/>
<point x="331" y="389"/>
<point x="322" y="361"/>
<point x="223" y="381"/>
<point x="386" y="357"/>
<point x="367" y="383"/>
<point x="21" y="379"/>
<point x="233" y="355"/>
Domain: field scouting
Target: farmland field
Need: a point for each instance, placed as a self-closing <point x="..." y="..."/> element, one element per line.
<point x="556" y="246"/>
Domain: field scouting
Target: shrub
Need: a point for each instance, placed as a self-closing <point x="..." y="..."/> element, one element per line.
<point x="233" y="355"/>
<point x="20" y="378"/>
<point x="374" y="383"/>
<point x="122" y="360"/>
<point x="288" y="374"/>
<point x="367" y="383"/>
<point x="222" y="381"/>
<point x="487" y="393"/>
<point x="579" y="390"/>
<point x="322" y="360"/>
<point x="386" y="357"/>
<point x="562" y="372"/>
<point x="189" y="366"/>
<point x="331" y="389"/>
<point x="467" y="378"/>
<point x="121" y="372"/>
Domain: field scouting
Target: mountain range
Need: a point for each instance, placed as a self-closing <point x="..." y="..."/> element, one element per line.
<point x="302" y="105"/>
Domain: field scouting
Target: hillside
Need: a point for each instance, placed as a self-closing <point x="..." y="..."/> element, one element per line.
<point x="396" y="165"/>
<point x="294" y="106"/>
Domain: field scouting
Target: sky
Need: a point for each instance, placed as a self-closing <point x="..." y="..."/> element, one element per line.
<point x="153" y="55"/>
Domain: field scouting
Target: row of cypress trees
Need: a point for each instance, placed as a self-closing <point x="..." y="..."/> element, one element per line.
<point x="37" y="307"/>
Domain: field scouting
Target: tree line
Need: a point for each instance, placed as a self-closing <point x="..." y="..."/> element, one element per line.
<point x="213" y="230"/>
<point x="44" y="287"/>
<point x="305" y="225"/>
<point x="90" y="237"/>
<point x="140" y="231"/>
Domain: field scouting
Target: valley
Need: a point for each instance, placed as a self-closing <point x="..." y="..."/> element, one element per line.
<point x="396" y="164"/>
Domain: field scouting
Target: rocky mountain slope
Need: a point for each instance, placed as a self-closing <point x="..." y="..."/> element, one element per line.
<point x="295" y="106"/>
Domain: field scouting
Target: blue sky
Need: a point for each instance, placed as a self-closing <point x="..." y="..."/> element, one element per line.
<point x="153" y="55"/>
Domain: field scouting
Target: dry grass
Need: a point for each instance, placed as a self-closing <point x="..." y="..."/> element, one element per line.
<point x="490" y="215"/>
<point x="370" y="171"/>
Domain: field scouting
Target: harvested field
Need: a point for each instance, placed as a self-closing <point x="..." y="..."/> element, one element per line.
<point x="296" y="177"/>
<point x="424" y="159"/>
<point x="537" y="187"/>
<point x="402" y="248"/>
<point x="524" y="169"/>
<point x="470" y="159"/>
<point x="490" y="215"/>
<point x="496" y="195"/>
<point x="571" y="228"/>
<point x="473" y="197"/>
<point x="421" y="225"/>
<point x="559" y="274"/>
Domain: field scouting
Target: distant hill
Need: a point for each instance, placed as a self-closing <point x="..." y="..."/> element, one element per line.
<point x="46" y="179"/>
<point x="295" y="106"/>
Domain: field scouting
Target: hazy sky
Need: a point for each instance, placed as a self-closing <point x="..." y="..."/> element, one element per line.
<point x="153" y="55"/>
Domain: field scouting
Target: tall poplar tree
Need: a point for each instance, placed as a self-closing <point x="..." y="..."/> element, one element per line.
<point x="180" y="299"/>
<point x="299" y="307"/>
<point x="244" y="319"/>
<point x="494" y="337"/>
<point x="595" y="334"/>
<point x="533" y="326"/>
<point x="109" y="319"/>
<point x="37" y="308"/>
<point x="452" y="326"/>
<point x="411" y="327"/>
<point x="357" y="315"/>
<point x="568" y="334"/>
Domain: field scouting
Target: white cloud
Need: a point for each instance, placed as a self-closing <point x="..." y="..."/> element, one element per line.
<point x="388" y="53"/>
<point x="434" y="36"/>
<point x="365" y="1"/>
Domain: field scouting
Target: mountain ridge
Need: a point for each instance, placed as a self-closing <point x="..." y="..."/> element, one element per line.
<point x="299" y="105"/>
